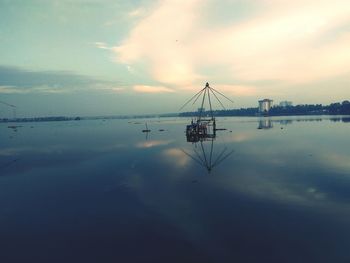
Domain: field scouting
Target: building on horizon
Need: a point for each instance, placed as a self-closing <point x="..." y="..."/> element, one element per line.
<point x="265" y="105"/>
<point x="285" y="104"/>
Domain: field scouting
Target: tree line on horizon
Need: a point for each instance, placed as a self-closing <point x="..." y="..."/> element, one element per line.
<point x="337" y="108"/>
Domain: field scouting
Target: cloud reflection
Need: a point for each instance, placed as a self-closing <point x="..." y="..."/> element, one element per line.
<point x="152" y="143"/>
<point x="176" y="156"/>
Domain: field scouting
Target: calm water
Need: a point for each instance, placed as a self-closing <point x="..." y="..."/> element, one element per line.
<point x="273" y="190"/>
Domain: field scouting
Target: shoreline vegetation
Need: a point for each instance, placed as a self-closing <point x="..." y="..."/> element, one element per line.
<point x="338" y="108"/>
<point x="308" y="109"/>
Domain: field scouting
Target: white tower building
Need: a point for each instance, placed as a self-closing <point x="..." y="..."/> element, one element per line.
<point x="265" y="105"/>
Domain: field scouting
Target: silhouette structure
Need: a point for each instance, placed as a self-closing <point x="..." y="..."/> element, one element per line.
<point x="204" y="127"/>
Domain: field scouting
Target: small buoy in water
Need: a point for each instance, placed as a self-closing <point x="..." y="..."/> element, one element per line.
<point x="146" y="130"/>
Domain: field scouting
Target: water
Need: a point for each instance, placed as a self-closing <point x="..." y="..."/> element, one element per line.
<point x="274" y="190"/>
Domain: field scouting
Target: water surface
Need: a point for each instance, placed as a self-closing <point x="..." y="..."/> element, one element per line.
<point x="265" y="190"/>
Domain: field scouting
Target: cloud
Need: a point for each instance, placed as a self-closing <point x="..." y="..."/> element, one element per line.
<point x="136" y="12"/>
<point x="117" y="89"/>
<point x="290" y="43"/>
<point x="10" y="90"/>
<point x="237" y="90"/>
<point x="169" y="60"/>
<point x="151" y="89"/>
<point x="18" y="81"/>
<point x="40" y="89"/>
<point x="110" y="88"/>
<point x="102" y="45"/>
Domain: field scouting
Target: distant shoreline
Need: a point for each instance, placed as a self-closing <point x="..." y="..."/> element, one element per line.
<point x="64" y="119"/>
<point x="334" y="109"/>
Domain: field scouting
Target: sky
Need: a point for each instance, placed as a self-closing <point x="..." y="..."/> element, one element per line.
<point x="113" y="57"/>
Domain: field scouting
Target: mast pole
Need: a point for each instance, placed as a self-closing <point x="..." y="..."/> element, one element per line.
<point x="218" y="100"/>
<point x="211" y="109"/>
<point x="201" y="109"/>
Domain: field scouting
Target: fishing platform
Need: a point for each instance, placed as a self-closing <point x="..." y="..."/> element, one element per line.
<point x="203" y="127"/>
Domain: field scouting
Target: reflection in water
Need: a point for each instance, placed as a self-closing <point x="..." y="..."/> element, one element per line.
<point x="152" y="143"/>
<point x="345" y="119"/>
<point x="265" y="124"/>
<point x="207" y="157"/>
<point x="285" y="122"/>
<point x="201" y="156"/>
<point x="341" y="119"/>
<point x="146" y="134"/>
<point x="76" y="189"/>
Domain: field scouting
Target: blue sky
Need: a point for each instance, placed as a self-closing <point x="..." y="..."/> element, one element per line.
<point x="104" y="57"/>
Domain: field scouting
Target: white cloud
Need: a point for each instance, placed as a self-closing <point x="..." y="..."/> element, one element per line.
<point x="237" y="90"/>
<point x="157" y="40"/>
<point x="109" y="88"/>
<point x="10" y="90"/>
<point x="117" y="89"/>
<point x="136" y="13"/>
<point x="101" y="45"/>
<point x="151" y="89"/>
<point x="285" y="41"/>
<point x="39" y="89"/>
<point x="130" y="69"/>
